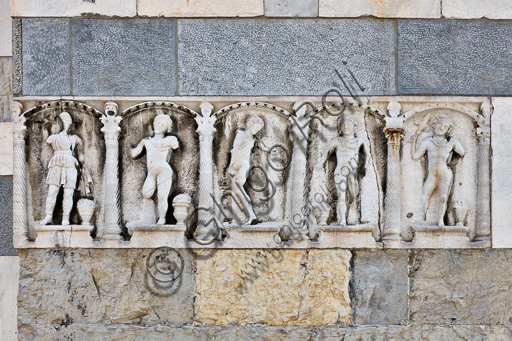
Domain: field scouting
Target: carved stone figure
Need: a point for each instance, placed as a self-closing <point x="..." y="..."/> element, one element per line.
<point x="158" y="149"/>
<point x="347" y="147"/>
<point x="439" y="149"/>
<point x="62" y="170"/>
<point x="241" y="163"/>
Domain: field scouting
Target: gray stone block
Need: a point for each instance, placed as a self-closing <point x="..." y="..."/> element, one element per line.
<point x="99" y="286"/>
<point x="6" y="246"/>
<point x="284" y="57"/>
<point x="124" y="57"/>
<point x="380" y="287"/>
<point x="454" y="57"/>
<point x="291" y="8"/>
<point x="46" y="59"/>
<point x="461" y="287"/>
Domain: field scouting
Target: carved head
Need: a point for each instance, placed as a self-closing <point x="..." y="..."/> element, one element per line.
<point x="66" y="120"/>
<point x="162" y="123"/>
<point x="442" y="124"/>
<point x="111" y="108"/>
<point x="347" y="125"/>
<point x="255" y="125"/>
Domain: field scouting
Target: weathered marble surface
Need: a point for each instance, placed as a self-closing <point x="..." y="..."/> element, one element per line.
<point x="380" y="287"/>
<point x="63" y="287"/>
<point x="5" y="149"/>
<point x="461" y="287"/>
<point x="291" y="8"/>
<point x="286" y="287"/>
<point x="5" y="29"/>
<point x="501" y="179"/>
<point x="73" y="8"/>
<point x="5" y="88"/>
<point x="454" y="57"/>
<point x="6" y="233"/>
<point x="476" y="9"/>
<point x="200" y="8"/>
<point x="283" y="57"/>
<point x="381" y="9"/>
<point x="9" y="269"/>
<point x="46" y="57"/>
<point x="123" y="57"/>
<point x="260" y="333"/>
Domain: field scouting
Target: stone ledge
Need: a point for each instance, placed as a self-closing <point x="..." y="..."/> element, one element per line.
<point x="72" y="8"/>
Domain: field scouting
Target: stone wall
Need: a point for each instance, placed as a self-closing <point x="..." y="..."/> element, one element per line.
<point x="294" y="295"/>
<point x="131" y="51"/>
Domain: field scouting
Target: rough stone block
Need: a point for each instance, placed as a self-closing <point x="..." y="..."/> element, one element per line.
<point x="5" y="75"/>
<point x="46" y="59"/>
<point x="123" y="57"/>
<point x="279" y="287"/>
<point x="454" y="57"/>
<point x="380" y="287"/>
<point x="291" y="8"/>
<point x="5" y="29"/>
<point x="73" y="8"/>
<point x="102" y="286"/>
<point x="9" y="273"/>
<point x="284" y="57"/>
<point x="6" y="246"/>
<point x="461" y="287"/>
<point x="475" y="9"/>
<point x="381" y="9"/>
<point x="6" y="149"/>
<point x="501" y="180"/>
<point x="200" y="8"/>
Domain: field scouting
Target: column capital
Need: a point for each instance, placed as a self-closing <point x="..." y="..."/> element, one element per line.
<point x="394" y="135"/>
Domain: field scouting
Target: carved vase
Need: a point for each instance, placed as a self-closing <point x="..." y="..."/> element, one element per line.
<point x="461" y="211"/>
<point x="181" y="204"/>
<point x="322" y="213"/>
<point x="85" y="210"/>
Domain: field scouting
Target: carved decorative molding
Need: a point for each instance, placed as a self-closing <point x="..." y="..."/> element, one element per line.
<point x="257" y="174"/>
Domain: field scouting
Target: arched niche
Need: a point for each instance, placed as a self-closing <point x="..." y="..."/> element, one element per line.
<point x="137" y="124"/>
<point x="42" y="121"/>
<point x="268" y="181"/>
<point x="321" y="186"/>
<point x="417" y="126"/>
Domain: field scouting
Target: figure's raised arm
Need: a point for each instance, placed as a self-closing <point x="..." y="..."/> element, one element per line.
<point x="457" y="147"/>
<point x="138" y="150"/>
<point x="327" y="152"/>
<point x="420" y="151"/>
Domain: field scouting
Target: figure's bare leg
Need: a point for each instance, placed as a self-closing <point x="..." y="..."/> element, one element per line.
<point x="445" y="184"/>
<point x="341" y="208"/>
<point x="239" y="179"/>
<point x="164" y="188"/>
<point x="428" y="188"/>
<point x="149" y="187"/>
<point x="353" y="189"/>
<point x="67" y="205"/>
<point x="51" y="199"/>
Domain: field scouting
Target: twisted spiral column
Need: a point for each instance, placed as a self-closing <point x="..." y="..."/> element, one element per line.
<point x="483" y="225"/>
<point x="112" y="212"/>
<point x="20" y="218"/>
<point x="391" y="233"/>
<point x="206" y="131"/>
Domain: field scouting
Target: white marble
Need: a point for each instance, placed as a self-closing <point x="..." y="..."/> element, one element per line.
<point x="475" y="9"/>
<point x="9" y="278"/>
<point x="6" y="148"/>
<point x="72" y="8"/>
<point x="501" y="172"/>
<point x="381" y="9"/>
<point x="5" y="29"/>
<point x="200" y="8"/>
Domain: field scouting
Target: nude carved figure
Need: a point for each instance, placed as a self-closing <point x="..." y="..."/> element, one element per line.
<point x="158" y="150"/>
<point x="439" y="149"/>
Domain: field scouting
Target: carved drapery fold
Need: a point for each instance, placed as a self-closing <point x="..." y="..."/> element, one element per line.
<point x="111" y="206"/>
<point x="206" y="132"/>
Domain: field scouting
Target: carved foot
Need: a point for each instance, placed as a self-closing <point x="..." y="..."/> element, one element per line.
<point x="161" y="221"/>
<point x="440" y="224"/>
<point x="46" y="220"/>
<point x="252" y="221"/>
<point x="65" y="220"/>
<point x="343" y="222"/>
